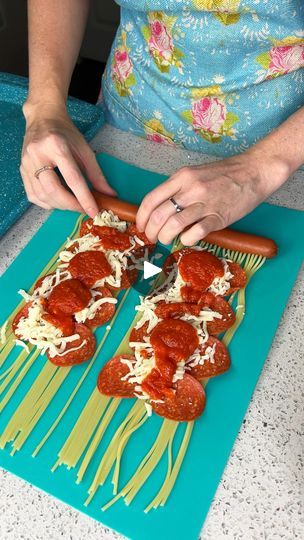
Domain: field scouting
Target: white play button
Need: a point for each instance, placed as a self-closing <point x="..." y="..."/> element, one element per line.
<point x="151" y="270"/>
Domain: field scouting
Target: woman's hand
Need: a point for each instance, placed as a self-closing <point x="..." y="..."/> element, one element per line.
<point x="212" y="196"/>
<point x="52" y="139"/>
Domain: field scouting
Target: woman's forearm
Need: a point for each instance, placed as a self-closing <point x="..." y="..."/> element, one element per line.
<point x="56" y="29"/>
<point x="281" y="153"/>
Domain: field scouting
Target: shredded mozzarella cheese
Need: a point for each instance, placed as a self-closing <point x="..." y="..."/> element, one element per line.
<point x="90" y="311"/>
<point x="106" y="218"/>
<point x="22" y="344"/>
<point x="199" y="359"/>
<point x="221" y="285"/>
<point x="180" y="371"/>
<point x="41" y="333"/>
<point x="49" y="282"/>
<point x="3" y="333"/>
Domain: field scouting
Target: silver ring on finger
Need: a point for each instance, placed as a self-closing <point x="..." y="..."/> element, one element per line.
<point x="42" y="169"/>
<point x="177" y="207"/>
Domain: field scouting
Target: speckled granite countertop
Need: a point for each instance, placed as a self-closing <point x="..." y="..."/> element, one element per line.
<point x="261" y="495"/>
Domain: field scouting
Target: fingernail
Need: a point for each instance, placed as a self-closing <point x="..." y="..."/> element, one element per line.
<point x="92" y="212"/>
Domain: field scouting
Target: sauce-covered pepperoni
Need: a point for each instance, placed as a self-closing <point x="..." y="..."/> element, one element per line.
<point x="65" y="323"/>
<point x="110" y="381"/>
<point x="78" y="356"/>
<point x="22" y="314"/>
<point x="104" y="312"/>
<point x="219" y="305"/>
<point x="156" y="385"/>
<point x="68" y="297"/>
<point x="174" y="258"/>
<point x="189" y="294"/>
<point x="174" y="339"/>
<point x="113" y="239"/>
<point x="89" y="267"/>
<point x="217" y="364"/>
<point x="175" y="309"/>
<point x="199" y="269"/>
<point x="186" y="404"/>
<point x="239" y="279"/>
<point x="127" y="279"/>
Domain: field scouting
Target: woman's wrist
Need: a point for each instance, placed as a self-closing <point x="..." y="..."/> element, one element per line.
<point x="44" y="107"/>
<point x="273" y="167"/>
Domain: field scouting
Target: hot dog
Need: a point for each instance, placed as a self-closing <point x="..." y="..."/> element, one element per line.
<point x="124" y="210"/>
<point x="225" y="238"/>
<point x="245" y="242"/>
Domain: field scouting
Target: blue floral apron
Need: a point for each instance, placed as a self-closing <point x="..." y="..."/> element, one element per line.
<point x="209" y="75"/>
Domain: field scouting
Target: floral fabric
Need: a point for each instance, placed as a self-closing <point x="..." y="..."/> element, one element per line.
<point x="210" y="75"/>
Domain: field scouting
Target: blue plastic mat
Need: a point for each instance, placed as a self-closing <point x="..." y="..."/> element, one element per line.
<point x="228" y="395"/>
<point x="13" y="91"/>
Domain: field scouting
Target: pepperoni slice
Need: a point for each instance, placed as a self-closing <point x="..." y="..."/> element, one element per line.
<point x="175" y="257"/>
<point x="105" y="312"/>
<point x="220" y="305"/>
<point x="113" y="239"/>
<point x="86" y="227"/>
<point x="41" y="280"/>
<point x="186" y="404"/>
<point x="199" y="268"/>
<point x="239" y="279"/>
<point x="133" y="231"/>
<point x="68" y="297"/>
<point x="22" y="313"/>
<point x="110" y="381"/>
<point x="174" y="309"/>
<point x="190" y="295"/>
<point x="80" y="355"/>
<point x="174" y="339"/>
<point x="128" y="278"/>
<point x="138" y="334"/>
<point x="110" y="238"/>
<point x="89" y="267"/>
<point x="220" y="364"/>
<point x="64" y="323"/>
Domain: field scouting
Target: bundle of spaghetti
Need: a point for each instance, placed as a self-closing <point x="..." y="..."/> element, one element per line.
<point x="7" y="376"/>
<point x="83" y="377"/>
<point x="39" y="408"/>
<point x="104" y="424"/>
<point x="147" y="465"/>
<point x="133" y="426"/>
<point x="5" y="400"/>
<point x="172" y="472"/>
<point x="79" y="438"/>
<point x="25" y="408"/>
<point x="135" y="418"/>
<point x="50" y="379"/>
<point x="19" y="368"/>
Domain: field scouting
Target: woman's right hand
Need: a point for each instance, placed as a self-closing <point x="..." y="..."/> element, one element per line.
<point x="52" y="139"/>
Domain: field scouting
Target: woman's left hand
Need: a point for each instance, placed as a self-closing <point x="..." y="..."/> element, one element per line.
<point x="212" y="196"/>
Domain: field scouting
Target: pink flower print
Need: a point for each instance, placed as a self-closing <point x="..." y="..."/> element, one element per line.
<point x="209" y="114"/>
<point x="122" y="66"/>
<point x="160" y="40"/>
<point x="286" y="58"/>
<point x="157" y="137"/>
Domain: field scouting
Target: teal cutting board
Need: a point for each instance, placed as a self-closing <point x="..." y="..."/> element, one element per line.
<point x="228" y="396"/>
